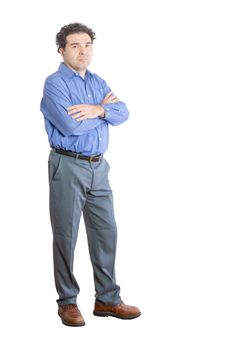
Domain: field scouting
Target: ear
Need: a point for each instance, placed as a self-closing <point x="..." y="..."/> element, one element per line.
<point x="61" y="51"/>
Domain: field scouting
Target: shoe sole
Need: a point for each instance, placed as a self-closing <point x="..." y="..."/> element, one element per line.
<point x="106" y="314"/>
<point x="73" y="325"/>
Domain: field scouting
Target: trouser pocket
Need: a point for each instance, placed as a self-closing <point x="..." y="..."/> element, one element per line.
<point x="54" y="166"/>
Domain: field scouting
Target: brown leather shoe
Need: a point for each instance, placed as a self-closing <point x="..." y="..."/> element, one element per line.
<point x="70" y="315"/>
<point x="123" y="311"/>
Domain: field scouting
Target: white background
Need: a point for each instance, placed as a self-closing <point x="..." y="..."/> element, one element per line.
<point x="171" y="173"/>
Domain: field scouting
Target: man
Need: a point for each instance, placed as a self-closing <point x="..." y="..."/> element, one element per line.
<point x="78" y="107"/>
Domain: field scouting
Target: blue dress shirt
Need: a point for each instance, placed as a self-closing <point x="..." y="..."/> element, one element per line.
<point x="65" y="88"/>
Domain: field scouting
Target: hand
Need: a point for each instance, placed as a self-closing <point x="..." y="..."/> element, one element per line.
<point x="110" y="98"/>
<point x="83" y="111"/>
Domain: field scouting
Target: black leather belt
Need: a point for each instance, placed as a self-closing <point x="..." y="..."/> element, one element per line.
<point x="78" y="155"/>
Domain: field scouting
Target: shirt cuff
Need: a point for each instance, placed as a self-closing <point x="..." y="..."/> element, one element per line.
<point x="106" y="112"/>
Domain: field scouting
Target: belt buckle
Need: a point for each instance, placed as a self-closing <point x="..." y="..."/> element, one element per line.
<point x="90" y="158"/>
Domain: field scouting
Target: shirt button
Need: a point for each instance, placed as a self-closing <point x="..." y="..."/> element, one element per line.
<point x="100" y="138"/>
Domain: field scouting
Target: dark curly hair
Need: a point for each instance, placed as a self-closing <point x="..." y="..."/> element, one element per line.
<point x="71" y="29"/>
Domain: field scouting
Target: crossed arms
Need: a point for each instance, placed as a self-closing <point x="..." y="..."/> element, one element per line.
<point x="86" y="111"/>
<point x="56" y="105"/>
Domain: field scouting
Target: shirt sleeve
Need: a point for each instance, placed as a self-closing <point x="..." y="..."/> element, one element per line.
<point x="54" y="106"/>
<point x="115" y="113"/>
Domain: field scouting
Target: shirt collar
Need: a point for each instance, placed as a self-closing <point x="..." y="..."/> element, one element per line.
<point x="69" y="73"/>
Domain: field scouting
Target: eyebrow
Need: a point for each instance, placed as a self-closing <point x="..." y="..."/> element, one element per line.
<point x="87" y="42"/>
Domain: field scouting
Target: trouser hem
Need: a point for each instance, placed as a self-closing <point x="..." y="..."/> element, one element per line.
<point x="114" y="302"/>
<point x="67" y="301"/>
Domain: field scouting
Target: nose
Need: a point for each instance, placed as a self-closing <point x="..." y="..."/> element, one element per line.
<point x="82" y="50"/>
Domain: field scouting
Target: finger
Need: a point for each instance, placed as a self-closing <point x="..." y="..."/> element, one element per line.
<point x="109" y="94"/>
<point x="113" y="100"/>
<point x="78" y="115"/>
<point x="109" y="99"/>
<point x="80" y="109"/>
<point x="113" y="97"/>
<point x="74" y="107"/>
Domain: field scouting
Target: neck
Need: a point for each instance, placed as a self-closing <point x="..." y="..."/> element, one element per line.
<point x="82" y="72"/>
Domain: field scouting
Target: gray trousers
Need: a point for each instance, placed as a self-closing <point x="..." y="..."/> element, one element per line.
<point x="76" y="187"/>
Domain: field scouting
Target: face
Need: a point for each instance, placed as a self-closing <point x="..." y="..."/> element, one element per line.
<point x="78" y="52"/>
